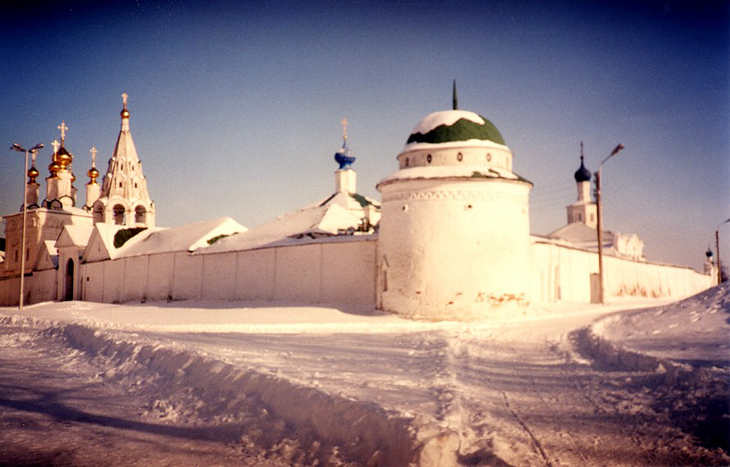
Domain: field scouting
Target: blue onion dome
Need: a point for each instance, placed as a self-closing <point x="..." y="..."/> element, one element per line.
<point x="708" y="253"/>
<point x="344" y="157"/>
<point x="582" y="174"/>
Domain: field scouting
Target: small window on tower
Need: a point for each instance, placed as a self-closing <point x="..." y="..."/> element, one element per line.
<point x="428" y="158"/>
<point x="120" y="184"/>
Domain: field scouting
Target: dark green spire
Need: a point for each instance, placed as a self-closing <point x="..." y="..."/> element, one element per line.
<point x="455" y="98"/>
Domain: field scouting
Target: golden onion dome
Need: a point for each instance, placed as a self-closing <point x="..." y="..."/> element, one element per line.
<point x="63" y="158"/>
<point x="32" y="174"/>
<point x="124" y="113"/>
<point x="93" y="174"/>
<point x="53" y="167"/>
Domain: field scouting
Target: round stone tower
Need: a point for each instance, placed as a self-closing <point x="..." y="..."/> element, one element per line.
<point x="454" y="233"/>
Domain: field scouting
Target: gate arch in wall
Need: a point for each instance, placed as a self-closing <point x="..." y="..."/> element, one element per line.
<point x="68" y="291"/>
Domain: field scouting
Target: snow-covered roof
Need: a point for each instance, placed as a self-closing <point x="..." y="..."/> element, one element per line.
<point x="74" y="235"/>
<point x="450" y="126"/>
<point x="101" y="243"/>
<point x="188" y="237"/>
<point x="448" y="171"/>
<point x="47" y="256"/>
<point x="328" y="218"/>
<point x="581" y="235"/>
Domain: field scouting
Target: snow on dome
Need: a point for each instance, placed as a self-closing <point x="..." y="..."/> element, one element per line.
<point x="445" y="117"/>
<point x="453" y="125"/>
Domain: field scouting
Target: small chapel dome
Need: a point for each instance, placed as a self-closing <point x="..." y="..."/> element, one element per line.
<point x="32" y="174"/>
<point x="63" y="158"/>
<point x="53" y="167"/>
<point x="709" y="253"/>
<point x="124" y="113"/>
<point x="450" y="126"/>
<point x="582" y="174"/>
<point x="344" y="157"/>
<point x="93" y="173"/>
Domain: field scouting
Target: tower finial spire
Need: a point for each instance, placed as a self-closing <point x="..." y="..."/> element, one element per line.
<point x="455" y="98"/>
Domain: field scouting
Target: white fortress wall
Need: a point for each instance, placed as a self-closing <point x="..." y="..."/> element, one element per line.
<point x="298" y="274"/>
<point x="319" y="272"/>
<point x="219" y="276"/>
<point x="92" y="288"/>
<point x="563" y="273"/>
<point x="43" y="288"/>
<point x="160" y="276"/>
<point x="255" y="274"/>
<point x="113" y="274"/>
<point x="136" y="278"/>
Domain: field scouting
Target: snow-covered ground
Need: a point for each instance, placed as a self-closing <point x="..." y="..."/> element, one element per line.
<point x="253" y="384"/>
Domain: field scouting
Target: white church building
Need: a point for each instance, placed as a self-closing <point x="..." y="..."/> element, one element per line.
<point x="451" y="238"/>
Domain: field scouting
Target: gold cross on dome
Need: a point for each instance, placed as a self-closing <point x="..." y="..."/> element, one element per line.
<point x="344" y="128"/>
<point x="55" y="145"/>
<point x="124" y="99"/>
<point x="63" y="129"/>
<point x="93" y="156"/>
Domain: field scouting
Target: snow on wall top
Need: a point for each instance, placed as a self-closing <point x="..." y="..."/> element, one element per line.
<point x="451" y="171"/>
<point x="326" y="219"/>
<point x="182" y="238"/>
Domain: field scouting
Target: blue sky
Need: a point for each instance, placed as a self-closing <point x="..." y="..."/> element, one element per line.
<point x="235" y="106"/>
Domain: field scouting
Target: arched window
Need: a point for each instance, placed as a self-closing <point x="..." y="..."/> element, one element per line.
<point x="119" y="213"/>
<point x="140" y="215"/>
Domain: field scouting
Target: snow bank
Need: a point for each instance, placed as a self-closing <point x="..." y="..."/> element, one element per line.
<point x="685" y="344"/>
<point x="296" y="423"/>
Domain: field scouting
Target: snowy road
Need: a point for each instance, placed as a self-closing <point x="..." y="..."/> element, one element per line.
<point x="500" y="393"/>
<point x="55" y="410"/>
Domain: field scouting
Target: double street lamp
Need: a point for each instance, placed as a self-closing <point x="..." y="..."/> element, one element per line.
<point x="601" y="295"/>
<point x="33" y="150"/>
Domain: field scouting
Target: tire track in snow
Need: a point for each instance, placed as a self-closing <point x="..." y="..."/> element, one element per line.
<point x="535" y="442"/>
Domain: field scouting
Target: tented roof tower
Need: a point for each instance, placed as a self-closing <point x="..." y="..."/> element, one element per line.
<point x="124" y="198"/>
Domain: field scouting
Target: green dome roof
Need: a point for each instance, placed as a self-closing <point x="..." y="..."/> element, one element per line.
<point x="454" y="125"/>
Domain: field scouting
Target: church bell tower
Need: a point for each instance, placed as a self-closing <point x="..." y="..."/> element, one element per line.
<point x="124" y="199"/>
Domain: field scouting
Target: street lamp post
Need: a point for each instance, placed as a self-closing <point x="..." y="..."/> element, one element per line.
<point x="601" y="295"/>
<point x="717" y="247"/>
<point x="33" y="150"/>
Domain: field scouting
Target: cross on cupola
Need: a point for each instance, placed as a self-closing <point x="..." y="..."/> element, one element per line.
<point x="93" y="156"/>
<point x="63" y="129"/>
<point x="55" y="145"/>
<point x="344" y="128"/>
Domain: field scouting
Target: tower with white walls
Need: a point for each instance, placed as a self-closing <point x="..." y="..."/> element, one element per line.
<point x="454" y="233"/>
<point x="124" y="199"/>
<point x="584" y="210"/>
